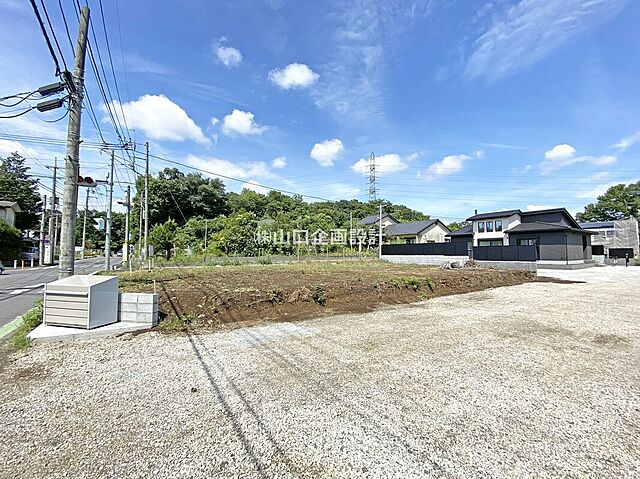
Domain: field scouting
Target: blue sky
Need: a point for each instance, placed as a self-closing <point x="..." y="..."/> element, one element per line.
<point x="468" y="105"/>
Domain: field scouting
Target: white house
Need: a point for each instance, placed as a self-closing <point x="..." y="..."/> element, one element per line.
<point x="489" y="229"/>
<point x="8" y="210"/>
<point x="425" y="231"/>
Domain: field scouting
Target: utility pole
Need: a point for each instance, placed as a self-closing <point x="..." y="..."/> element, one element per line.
<point x="206" y="234"/>
<point x="84" y="224"/>
<point x="72" y="161"/>
<point x="52" y="245"/>
<point x="373" y="193"/>
<point x="42" y="220"/>
<point x="380" y="233"/>
<point x="107" y="238"/>
<point x="146" y="202"/>
<point x="125" y="249"/>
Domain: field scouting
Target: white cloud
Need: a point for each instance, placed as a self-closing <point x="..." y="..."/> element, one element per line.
<point x="241" y="170"/>
<point x="279" y="162"/>
<point x="229" y="56"/>
<point x="353" y="86"/>
<point x="627" y="142"/>
<point x="255" y="186"/>
<point x="385" y="164"/>
<point x="541" y="207"/>
<point x="560" y="153"/>
<point x="447" y="166"/>
<point x="159" y="118"/>
<point x="214" y="121"/>
<point x="327" y="152"/>
<point x="295" y="75"/>
<point x="137" y="63"/>
<point x="9" y="146"/>
<point x="564" y="155"/>
<point x="240" y="122"/>
<point x="530" y="30"/>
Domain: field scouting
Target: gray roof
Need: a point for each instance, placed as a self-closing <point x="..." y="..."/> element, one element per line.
<point x="536" y="226"/>
<point x="494" y="214"/>
<point x="373" y="219"/>
<point x="464" y="231"/>
<point x="10" y="204"/>
<point x="596" y="225"/>
<point x="412" y="228"/>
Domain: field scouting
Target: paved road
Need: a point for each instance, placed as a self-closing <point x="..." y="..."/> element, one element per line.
<point x="20" y="288"/>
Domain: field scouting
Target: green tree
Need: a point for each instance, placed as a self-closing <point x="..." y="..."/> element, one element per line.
<point x="619" y="202"/>
<point x="162" y="236"/>
<point x="236" y="235"/>
<point x="456" y="225"/>
<point x="10" y="241"/>
<point x="17" y="185"/>
<point x="173" y="194"/>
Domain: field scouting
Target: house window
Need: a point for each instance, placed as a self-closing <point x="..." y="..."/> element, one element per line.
<point x="498" y="225"/>
<point x="480" y="226"/>
<point x="490" y="242"/>
<point x="489" y="226"/>
<point x="527" y="241"/>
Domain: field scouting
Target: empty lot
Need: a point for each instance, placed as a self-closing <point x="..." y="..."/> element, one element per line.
<point x="534" y="380"/>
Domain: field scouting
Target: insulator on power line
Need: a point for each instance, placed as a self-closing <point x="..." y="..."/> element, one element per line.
<point x="50" y="104"/>
<point x="51" y="89"/>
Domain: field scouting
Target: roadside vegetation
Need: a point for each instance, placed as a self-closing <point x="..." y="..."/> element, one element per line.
<point x="30" y="320"/>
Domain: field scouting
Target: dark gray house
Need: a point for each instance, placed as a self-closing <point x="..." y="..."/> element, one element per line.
<point x="557" y="236"/>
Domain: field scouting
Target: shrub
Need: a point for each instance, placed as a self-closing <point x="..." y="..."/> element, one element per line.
<point x="10" y="241"/>
<point x="320" y="295"/>
<point x="30" y="320"/>
<point x="265" y="260"/>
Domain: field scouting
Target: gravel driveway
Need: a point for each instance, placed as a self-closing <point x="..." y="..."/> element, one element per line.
<point x="536" y="380"/>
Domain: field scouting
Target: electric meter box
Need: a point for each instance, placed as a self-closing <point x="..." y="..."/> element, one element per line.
<point x="81" y="301"/>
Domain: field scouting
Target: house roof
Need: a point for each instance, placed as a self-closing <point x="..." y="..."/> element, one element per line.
<point x="373" y="219"/>
<point x="539" y="226"/>
<point x="596" y="225"/>
<point x="10" y="204"/>
<point x="494" y="214"/>
<point x="464" y="231"/>
<point x="553" y="210"/>
<point x="411" y="228"/>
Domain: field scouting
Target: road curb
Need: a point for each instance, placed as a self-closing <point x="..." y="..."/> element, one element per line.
<point x="9" y="328"/>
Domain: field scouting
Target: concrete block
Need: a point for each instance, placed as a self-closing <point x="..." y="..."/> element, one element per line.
<point x="128" y="316"/>
<point x="147" y="298"/>
<point x="146" y="307"/>
<point x="128" y="297"/>
<point x="126" y="307"/>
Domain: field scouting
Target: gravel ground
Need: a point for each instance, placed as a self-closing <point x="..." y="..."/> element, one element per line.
<point x="537" y="380"/>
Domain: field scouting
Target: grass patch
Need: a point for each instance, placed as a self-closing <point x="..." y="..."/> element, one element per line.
<point x="30" y="320"/>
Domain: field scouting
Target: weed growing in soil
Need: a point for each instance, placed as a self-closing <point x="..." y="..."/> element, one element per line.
<point x="265" y="260"/>
<point x="320" y="295"/>
<point x="276" y="296"/>
<point x="409" y="282"/>
<point x="30" y="321"/>
<point x="431" y="285"/>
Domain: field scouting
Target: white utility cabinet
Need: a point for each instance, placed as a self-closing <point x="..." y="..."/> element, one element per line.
<point x="81" y="301"/>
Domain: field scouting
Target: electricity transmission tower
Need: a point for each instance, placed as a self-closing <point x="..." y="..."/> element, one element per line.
<point x="373" y="192"/>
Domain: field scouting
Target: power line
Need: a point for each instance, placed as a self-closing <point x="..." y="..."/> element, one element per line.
<point x="46" y="37"/>
<point x="17" y="115"/>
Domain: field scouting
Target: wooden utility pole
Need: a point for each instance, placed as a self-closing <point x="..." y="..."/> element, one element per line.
<point x="42" y="220"/>
<point x="52" y="245"/>
<point x="72" y="161"/>
<point x="84" y="224"/>
<point x="146" y="202"/>
<point x="107" y="237"/>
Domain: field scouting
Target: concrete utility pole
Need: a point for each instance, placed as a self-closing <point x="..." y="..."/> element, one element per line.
<point x="72" y="162"/>
<point x="125" y="248"/>
<point x="42" y="220"/>
<point x="146" y="202"/>
<point x="107" y="238"/>
<point x="52" y="245"/>
<point x="84" y="224"/>
<point x="380" y="234"/>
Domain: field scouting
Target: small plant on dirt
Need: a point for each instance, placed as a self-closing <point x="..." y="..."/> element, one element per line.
<point x="265" y="260"/>
<point x="410" y="282"/>
<point x="320" y="295"/>
<point x="276" y="296"/>
<point x="180" y="323"/>
<point x="30" y="321"/>
<point x="431" y="284"/>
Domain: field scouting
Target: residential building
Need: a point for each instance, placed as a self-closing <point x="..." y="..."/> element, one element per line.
<point x="8" y="210"/>
<point x="426" y="231"/>
<point x="557" y="236"/>
<point x="372" y="220"/>
<point x="614" y="239"/>
<point x="464" y="234"/>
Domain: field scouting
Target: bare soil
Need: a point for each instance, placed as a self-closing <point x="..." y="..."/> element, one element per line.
<point x="232" y="296"/>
